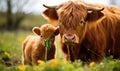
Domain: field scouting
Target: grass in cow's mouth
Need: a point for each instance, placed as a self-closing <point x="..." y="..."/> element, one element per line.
<point x="69" y="42"/>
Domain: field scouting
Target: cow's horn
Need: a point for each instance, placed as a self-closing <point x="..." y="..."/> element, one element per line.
<point x="49" y="6"/>
<point x="94" y="9"/>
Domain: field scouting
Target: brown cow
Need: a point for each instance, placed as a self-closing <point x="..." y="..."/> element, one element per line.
<point x="34" y="48"/>
<point x="88" y="32"/>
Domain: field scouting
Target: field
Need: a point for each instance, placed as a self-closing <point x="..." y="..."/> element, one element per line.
<point x="11" y="51"/>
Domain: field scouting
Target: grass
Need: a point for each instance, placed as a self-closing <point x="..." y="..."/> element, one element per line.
<point x="11" y="43"/>
<point x="11" y="51"/>
<point x="33" y="20"/>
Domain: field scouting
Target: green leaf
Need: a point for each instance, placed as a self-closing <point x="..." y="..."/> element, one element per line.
<point x="47" y="43"/>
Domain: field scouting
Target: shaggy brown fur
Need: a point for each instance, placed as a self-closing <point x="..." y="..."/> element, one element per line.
<point x="33" y="48"/>
<point x="111" y="28"/>
<point x="94" y="33"/>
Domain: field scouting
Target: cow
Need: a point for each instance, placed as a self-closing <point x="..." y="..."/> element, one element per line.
<point x="88" y="32"/>
<point x="34" y="46"/>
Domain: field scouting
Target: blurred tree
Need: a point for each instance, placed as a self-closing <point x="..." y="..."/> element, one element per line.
<point x="9" y="15"/>
<point x="14" y="10"/>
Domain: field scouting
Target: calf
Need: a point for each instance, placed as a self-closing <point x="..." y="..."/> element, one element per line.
<point x="34" y="48"/>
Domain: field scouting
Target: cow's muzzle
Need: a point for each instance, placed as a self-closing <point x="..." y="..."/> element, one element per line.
<point x="70" y="39"/>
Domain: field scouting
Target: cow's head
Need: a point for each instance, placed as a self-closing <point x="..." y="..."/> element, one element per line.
<point x="73" y="18"/>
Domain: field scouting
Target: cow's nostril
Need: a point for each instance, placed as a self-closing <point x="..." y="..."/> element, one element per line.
<point x="65" y="37"/>
<point x="73" y="38"/>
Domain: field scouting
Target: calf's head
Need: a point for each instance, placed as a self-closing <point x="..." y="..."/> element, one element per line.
<point x="46" y="31"/>
<point x="74" y="18"/>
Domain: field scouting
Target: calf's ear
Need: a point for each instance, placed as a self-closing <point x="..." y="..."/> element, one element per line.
<point x="51" y="15"/>
<point x="36" y="30"/>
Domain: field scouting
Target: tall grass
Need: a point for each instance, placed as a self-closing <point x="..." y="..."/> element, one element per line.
<point x="12" y="43"/>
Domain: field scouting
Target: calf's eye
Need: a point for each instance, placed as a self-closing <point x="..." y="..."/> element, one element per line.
<point x="41" y="36"/>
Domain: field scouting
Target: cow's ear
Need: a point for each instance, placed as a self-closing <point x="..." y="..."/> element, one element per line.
<point x="94" y="16"/>
<point x="51" y="15"/>
<point x="36" y="30"/>
<point x="57" y="31"/>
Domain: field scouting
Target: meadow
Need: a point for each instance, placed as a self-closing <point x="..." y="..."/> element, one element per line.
<point x="11" y="52"/>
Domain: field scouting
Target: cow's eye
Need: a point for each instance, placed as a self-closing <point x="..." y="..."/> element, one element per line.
<point x="82" y="22"/>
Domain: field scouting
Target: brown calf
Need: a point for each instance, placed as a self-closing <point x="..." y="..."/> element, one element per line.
<point x="34" y="48"/>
